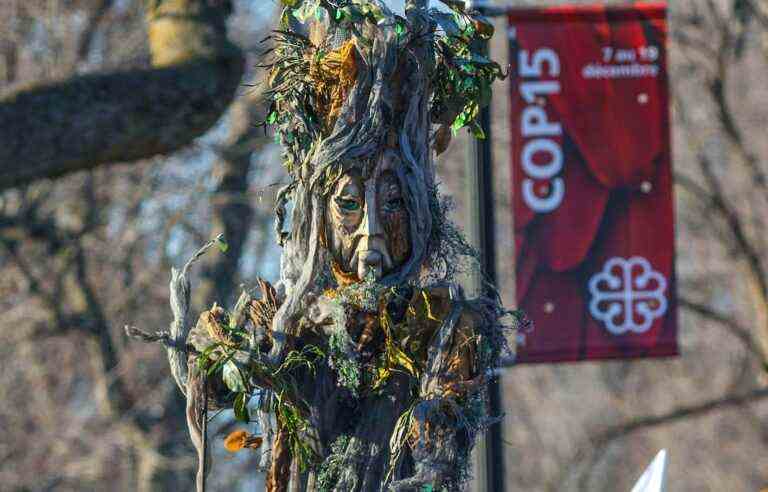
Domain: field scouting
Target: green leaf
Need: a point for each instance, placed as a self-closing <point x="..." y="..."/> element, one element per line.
<point x="467" y="67"/>
<point x="399" y="29"/>
<point x="272" y="118"/>
<point x="459" y="122"/>
<point x="463" y="24"/>
<point x="241" y="407"/>
<point x="370" y="10"/>
<point x="222" y="244"/>
<point x="232" y="377"/>
<point x="204" y="358"/>
<point x="214" y="367"/>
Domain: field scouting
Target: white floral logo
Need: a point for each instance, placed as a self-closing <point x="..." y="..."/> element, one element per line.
<point x="627" y="295"/>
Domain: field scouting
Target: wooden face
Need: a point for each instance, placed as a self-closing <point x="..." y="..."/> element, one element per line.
<point x="367" y="224"/>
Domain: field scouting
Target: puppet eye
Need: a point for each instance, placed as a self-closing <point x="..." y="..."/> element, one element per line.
<point x="348" y="205"/>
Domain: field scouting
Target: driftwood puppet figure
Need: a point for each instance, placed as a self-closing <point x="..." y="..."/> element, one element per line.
<point x="365" y="367"/>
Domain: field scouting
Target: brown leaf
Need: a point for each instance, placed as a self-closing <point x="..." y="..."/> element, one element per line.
<point x="263" y="310"/>
<point x="241" y="439"/>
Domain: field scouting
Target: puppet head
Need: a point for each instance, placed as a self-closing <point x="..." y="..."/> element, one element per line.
<point x="360" y="97"/>
<point x="367" y="226"/>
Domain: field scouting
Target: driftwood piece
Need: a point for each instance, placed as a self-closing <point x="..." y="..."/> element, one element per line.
<point x="197" y="424"/>
<point x="180" y="289"/>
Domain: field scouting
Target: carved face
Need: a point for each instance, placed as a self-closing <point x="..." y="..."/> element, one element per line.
<point x="367" y="224"/>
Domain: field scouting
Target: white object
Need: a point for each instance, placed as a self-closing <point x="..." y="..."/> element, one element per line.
<point x="653" y="478"/>
<point x="627" y="295"/>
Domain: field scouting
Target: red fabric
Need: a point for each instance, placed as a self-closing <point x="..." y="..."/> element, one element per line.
<point x="596" y="272"/>
<point x="565" y="236"/>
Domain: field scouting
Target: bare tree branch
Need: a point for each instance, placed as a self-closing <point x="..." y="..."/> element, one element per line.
<point x="717" y="195"/>
<point x="94" y="120"/>
<point x="682" y="413"/>
<point x="600" y="442"/>
<point x="92" y="24"/>
<point x="718" y="88"/>
<point x="733" y="327"/>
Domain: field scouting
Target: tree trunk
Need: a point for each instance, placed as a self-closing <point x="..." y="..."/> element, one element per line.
<point x="91" y="120"/>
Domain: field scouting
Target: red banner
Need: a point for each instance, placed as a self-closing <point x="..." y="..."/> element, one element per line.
<point x="592" y="182"/>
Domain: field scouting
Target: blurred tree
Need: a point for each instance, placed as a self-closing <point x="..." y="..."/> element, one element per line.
<point x="89" y="120"/>
<point x="89" y="83"/>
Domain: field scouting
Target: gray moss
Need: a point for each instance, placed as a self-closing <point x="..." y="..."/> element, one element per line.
<point x="330" y="470"/>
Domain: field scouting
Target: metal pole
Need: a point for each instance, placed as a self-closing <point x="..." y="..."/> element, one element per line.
<point x="481" y="229"/>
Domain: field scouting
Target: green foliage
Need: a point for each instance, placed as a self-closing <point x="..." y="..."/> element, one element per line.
<point x="205" y="360"/>
<point x="463" y="75"/>
<point x="243" y="374"/>
<point x="307" y="357"/>
<point x="461" y="78"/>
<point x="296" y="425"/>
<point x="344" y="12"/>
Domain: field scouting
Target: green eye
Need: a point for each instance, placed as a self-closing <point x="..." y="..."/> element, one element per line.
<point x="348" y="205"/>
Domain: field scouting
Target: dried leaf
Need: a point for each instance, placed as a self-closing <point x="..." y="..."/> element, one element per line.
<point x="241" y="439"/>
<point x="235" y="441"/>
<point x="395" y="356"/>
<point x="397" y="440"/>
